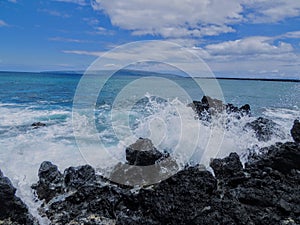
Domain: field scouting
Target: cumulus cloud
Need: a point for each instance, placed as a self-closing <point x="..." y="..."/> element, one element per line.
<point x="193" y="18"/>
<point x="172" y="18"/>
<point x="265" y="11"/>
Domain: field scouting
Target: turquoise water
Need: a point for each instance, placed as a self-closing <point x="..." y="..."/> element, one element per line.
<point x="123" y="111"/>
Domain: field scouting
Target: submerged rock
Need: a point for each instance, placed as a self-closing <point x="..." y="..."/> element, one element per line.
<point x="38" y="124"/>
<point x="12" y="209"/>
<point x="295" y="132"/>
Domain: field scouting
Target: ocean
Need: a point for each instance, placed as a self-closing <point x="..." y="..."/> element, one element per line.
<point x="123" y="110"/>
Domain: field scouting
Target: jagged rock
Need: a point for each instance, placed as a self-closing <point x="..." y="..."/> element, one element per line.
<point x="142" y="153"/>
<point x="178" y="199"/>
<point x="296" y="131"/>
<point x="282" y="157"/>
<point x="12" y="209"/>
<point x="209" y="106"/>
<point x="227" y="167"/>
<point x="245" y="109"/>
<point x="50" y="181"/>
<point x="266" y="191"/>
<point x="74" y="177"/>
<point x="263" y="128"/>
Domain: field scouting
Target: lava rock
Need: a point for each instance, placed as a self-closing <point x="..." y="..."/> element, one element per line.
<point x="74" y="177"/>
<point x="226" y="167"/>
<point x="50" y="181"/>
<point x="245" y="109"/>
<point x="12" y="209"/>
<point x="295" y="131"/>
<point x="142" y="153"/>
<point x="264" y="128"/>
<point x="265" y="191"/>
<point x="209" y="106"/>
<point x="282" y="157"/>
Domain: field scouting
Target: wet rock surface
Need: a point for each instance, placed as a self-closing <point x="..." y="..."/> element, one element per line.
<point x="295" y="132"/>
<point x="265" y="191"/>
<point x="12" y="209"/>
<point x="142" y="153"/>
<point x="208" y="107"/>
<point x="264" y="128"/>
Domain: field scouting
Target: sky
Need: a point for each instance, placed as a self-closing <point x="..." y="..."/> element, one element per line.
<point x="236" y="38"/>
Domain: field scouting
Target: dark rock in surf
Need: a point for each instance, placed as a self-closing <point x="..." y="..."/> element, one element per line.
<point x="227" y="167"/>
<point x="282" y="157"/>
<point x="245" y="109"/>
<point x="209" y="106"/>
<point x="266" y="191"/>
<point x="145" y="164"/>
<point x="38" y="124"/>
<point x="142" y="153"/>
<point x="12" y="209"/>
<point x="295" y="131"/>
<point x="264" y="128"/>
<point x="50" y="181"/>
<point x="74" y="177"/>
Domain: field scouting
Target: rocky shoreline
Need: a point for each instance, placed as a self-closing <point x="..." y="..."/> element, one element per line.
<point x="263" y="191"/>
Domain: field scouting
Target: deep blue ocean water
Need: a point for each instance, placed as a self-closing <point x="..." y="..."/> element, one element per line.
<point x="69" y="137"/>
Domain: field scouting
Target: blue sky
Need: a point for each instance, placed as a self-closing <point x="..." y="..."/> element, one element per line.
<point x="245" y="38"/>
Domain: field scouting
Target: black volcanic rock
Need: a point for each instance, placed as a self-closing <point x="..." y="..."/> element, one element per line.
<point x="142" y="153"/>
<point x="227" y="167"/>
<point x="209" y="106"/>
<point x="12" y="209"/>
<point x="295" y="132"/>
<point x="282" y="157"/>
<point x="74" y="177"/>
<point x="50" y="181"/>
<point x="265" y="191"/>
<point x="263" y="128"/>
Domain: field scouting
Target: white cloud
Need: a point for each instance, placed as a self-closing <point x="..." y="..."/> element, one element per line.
<point x="249" y="46"/>
<point x="243" y="57"/>
<point x="293" y="34"/>
<point x="67" y="40"/>
<point x="13" y="1"/>
<point x="78" y="2"/>
<point x="55" y="13"/>
<point x="193" y="18"/>
<point x="3" y="23"/>
<point x="82" y="52"/>
<point x="266" y="11"/>
<point x="172" y="18"/>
